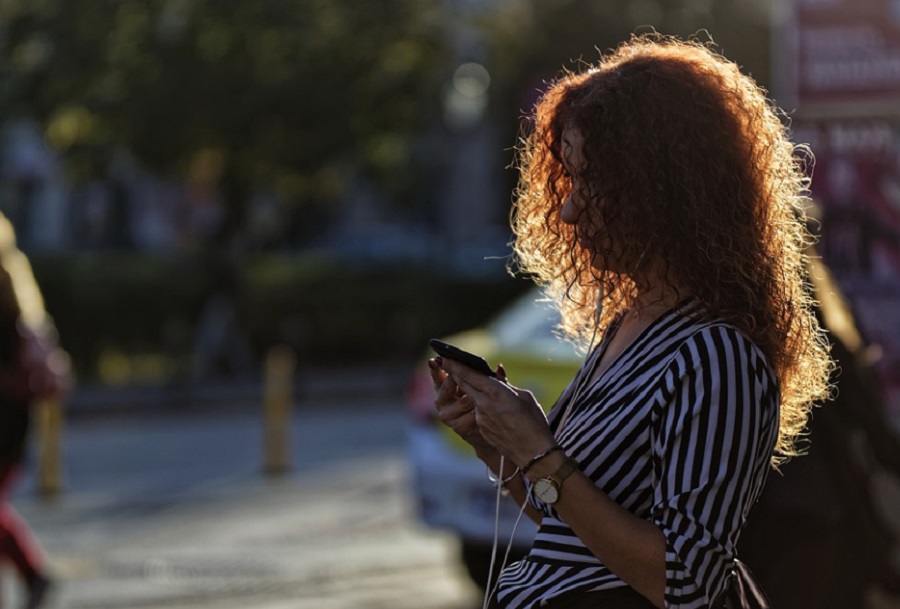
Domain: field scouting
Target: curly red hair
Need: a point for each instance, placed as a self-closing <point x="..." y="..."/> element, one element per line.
<point x="688" y="166"/>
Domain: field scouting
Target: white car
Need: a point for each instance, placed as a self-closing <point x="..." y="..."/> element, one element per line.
<point x="450" y="484"/>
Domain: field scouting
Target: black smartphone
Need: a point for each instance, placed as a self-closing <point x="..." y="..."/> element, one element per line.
<point x="479" y="364"/>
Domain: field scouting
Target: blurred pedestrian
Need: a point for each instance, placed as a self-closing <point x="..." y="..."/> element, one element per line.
<point x="817" y="538"/>
<point x="32" y="368"/>
<point x="657" y="204"/>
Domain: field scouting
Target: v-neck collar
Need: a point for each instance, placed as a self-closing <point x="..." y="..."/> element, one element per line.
<point x="584" y="377"/>
<point x="639" y="338"/>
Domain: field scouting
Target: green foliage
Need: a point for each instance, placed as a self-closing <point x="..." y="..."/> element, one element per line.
<point x="335" y="314"/>
<point x="331" y="314"/>
<point x="531" y="41"/>
<point x="292" y="95"/>
<point x="286" y="94"/>
<point x="133" y="303"/>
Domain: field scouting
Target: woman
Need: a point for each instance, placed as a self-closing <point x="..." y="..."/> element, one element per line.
<point x="658" y="205"/>
<point x="31" y="368"/>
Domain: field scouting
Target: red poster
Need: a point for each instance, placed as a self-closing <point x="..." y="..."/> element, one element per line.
<point x="841" y="57"/>
<point x="856" y="186"/>
<point x="838" y="69"/>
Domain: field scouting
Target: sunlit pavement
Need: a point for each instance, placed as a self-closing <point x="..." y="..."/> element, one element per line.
<point x="174" y="512"/>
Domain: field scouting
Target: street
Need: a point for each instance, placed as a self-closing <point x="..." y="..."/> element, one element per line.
<point x="174" y="511"/>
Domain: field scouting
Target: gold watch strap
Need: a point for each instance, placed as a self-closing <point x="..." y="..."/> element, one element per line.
<point x="564" y="471"/>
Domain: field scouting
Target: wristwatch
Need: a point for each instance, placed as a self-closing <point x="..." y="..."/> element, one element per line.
<point x="547" y="489"/>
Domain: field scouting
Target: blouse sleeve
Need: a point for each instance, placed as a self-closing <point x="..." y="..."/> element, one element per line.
<point x="713" y="438"/>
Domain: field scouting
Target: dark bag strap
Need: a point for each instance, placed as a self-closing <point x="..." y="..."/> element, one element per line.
<point x="742" y="591"/>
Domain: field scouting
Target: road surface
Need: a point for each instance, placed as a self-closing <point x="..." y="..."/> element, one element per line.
<point x="173" y="512"/>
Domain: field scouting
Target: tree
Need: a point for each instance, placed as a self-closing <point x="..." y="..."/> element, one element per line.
<point x="532" y="40"/>
<point x="269" y="93"/>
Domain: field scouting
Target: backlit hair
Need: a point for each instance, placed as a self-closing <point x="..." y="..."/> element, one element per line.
<point x="688" y="166"/>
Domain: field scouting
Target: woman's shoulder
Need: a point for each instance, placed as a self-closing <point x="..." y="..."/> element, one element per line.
<point x="708" y="340"/>
<point x="717" y="363"/>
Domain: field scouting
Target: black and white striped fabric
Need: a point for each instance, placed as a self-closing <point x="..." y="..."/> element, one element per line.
<point x="678" y="430"/>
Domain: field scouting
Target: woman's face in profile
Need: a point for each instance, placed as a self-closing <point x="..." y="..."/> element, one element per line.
<point x="580" y="209"/>
<point x="573" y="163"/>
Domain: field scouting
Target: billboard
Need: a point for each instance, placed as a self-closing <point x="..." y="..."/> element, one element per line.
<point x="839" y="66"/>
<point x="842" y="57"/>
<point x="856" y="187"/>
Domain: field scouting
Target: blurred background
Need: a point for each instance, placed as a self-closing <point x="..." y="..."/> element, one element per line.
<point x="218" y="195"/>
<point x="296" y="169"/>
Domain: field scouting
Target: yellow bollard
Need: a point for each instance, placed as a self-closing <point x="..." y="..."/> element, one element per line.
<point x="278" y="401"/>
<point x="50" y="419"/>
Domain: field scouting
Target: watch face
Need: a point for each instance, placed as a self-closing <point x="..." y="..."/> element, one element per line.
<point x="546" y="491"/>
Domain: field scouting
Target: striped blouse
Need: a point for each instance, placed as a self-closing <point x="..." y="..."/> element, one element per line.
<point x="679" y="430"/>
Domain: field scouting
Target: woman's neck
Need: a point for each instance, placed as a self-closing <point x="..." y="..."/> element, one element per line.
<point x="656" y="298"/>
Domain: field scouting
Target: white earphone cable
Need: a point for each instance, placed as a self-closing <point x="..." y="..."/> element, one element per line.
<point x="490" y="590"/>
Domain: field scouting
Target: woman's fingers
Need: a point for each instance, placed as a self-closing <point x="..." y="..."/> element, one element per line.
<point x="451" y="403"/>
<point x="437" y="373"/>
<point x="510" y="419"/>
<point x="462" y="412"/>
<point x="455" y="407"/>
<point x="475" y="384"/>
<point x="447" y="390"/>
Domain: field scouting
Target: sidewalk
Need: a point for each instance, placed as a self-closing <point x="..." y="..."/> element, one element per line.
<point x="168" y="508"/>
<point x="174" y="512"/>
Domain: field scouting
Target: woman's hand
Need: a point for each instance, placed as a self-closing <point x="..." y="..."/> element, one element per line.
<point x="507" y="418"/>
<point x="456" y="409"/>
